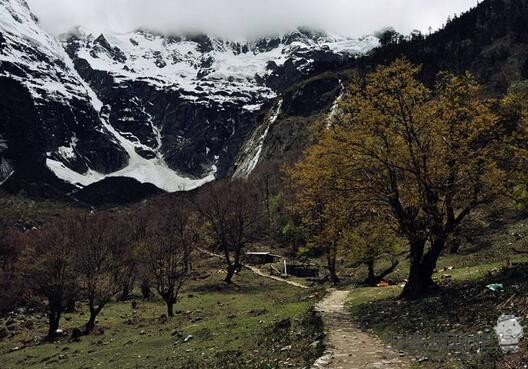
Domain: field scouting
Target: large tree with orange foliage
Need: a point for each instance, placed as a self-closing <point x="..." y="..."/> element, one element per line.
<point x="426" y="158"/>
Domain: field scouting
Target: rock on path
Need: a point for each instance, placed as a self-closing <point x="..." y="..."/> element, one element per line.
<point x="347" y="347"/>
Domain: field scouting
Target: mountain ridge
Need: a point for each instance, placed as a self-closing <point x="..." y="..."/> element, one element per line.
<point x="175" y="111"/>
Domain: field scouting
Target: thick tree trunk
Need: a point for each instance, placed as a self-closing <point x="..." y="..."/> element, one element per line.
<point x="90" y="325"/>
<point x="54" y="319"/>
<point x="230" y="273"/>
<point x="333" y="276"/>
<point x="170" y="308"/>
<point x="125" y="295"/>
<point x="234" y="266"/>
<point x="420" y="279"/>
<point x="371" y="276"/>
<point x="94" y="311"/>
<point x="128" y="286"/>
<point x="145" y="290"/>
<point x="332" y="270"/>
<point x="454" y="246"/>
<point x="70" y="305"/>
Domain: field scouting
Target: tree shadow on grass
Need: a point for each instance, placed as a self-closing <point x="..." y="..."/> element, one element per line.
<point x="464" y="308"/>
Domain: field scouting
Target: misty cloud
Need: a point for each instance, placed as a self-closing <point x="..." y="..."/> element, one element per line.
<point x="246" y="18"/>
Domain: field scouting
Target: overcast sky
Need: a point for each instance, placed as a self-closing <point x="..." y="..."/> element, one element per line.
<point x="246" y="18"/>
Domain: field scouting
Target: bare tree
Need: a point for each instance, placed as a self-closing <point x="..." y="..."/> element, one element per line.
<point x="170" y="239"/>
<point x="267" y="180"/>
<point x="50" y="268"/>
<point x="231" y="211"/>
<point x="129" y="254"/>
<point x="101" y="240"/>
<point x="129" y="275"/>
<point x="134" y="269"/>
<point x="12" y="244"/>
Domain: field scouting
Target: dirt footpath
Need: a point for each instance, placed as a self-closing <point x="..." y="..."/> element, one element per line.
<point x="347" y="347"/>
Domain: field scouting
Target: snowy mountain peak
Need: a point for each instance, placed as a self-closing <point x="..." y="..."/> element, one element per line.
<point x="176" y="111"/>
<point x="203" y="66"/>
<point x="26" y="46"/>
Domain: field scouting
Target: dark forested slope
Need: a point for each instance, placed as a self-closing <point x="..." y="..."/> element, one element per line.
<point x="490" y="40"/>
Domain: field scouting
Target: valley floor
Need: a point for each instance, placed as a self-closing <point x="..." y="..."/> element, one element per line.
<point x="264" y="323"/>
<point x="257" y="323"/>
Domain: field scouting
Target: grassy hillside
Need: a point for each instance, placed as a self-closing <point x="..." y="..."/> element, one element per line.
<point x="258" y="323"/>
<point x="464" y="306"/>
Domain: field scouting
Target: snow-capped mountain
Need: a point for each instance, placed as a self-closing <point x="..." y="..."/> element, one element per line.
<point x="45" y="105"/>
<point x="206" y="69"/>
<point x="176" y="111"/>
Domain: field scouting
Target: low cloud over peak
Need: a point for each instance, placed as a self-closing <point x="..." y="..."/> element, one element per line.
<point x="246" y="18"/>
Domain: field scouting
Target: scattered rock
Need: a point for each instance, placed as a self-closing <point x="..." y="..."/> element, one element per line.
<point x="3" y="333"/>
<point x="495" y="287"/>
<point x="188" y="338"/>
<point x="257" y="312"/>
<point x="177" y="333"/>
<point x="10" y="322"/>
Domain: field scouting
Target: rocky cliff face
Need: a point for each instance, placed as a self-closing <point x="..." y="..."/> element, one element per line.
<point x="47" y="113"/>
<point x="176" y="111"/>
<point x="306" y="107"/>
<point x="6" y="170"/>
